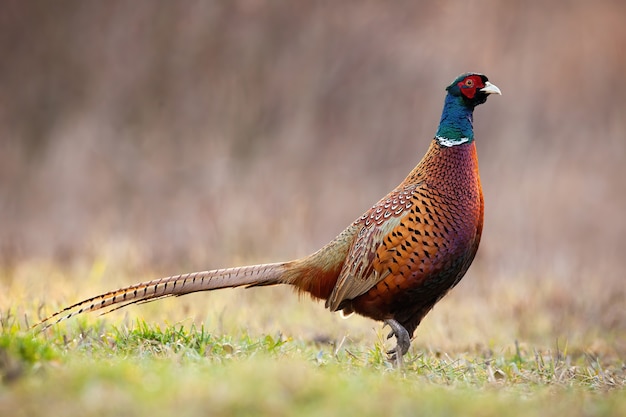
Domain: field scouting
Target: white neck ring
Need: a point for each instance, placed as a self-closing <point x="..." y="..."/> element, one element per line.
<point x="451" y="142"/>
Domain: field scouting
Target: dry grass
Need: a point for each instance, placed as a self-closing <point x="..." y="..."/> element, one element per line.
<point x="263" y="352"/>
<point x="501" y="325"/>
<point x="222" y="367"/>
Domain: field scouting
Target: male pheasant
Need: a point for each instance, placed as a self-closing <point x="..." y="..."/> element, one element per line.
<point x="394" y="262"/>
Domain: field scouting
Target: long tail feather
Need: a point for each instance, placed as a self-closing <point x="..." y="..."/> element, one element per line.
<point x="176" y="285"/>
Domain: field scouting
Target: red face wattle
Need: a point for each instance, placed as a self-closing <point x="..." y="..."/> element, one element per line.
<point x="470" y="84"/>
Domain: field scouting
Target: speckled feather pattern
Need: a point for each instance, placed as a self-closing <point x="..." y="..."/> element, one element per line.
<point x="433" y="242"/>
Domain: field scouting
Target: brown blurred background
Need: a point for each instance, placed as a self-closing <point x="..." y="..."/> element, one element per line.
<point x="203" y="134"/>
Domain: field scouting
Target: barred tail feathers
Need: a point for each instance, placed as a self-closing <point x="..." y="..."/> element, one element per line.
<point x="176" y="285"/>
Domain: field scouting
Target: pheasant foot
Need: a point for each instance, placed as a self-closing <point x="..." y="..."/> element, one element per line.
<point x="403" y="342"/>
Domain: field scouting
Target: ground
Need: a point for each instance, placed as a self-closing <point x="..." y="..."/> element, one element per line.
<point x="267" y="352"/>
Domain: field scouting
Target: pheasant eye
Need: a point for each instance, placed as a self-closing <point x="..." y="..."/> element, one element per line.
<point x="469" y="82"/>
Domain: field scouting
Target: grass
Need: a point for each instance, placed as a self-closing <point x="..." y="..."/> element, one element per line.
<point x="235" y="360"/>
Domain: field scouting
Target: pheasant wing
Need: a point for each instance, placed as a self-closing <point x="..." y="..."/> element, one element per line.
<point x="381" y="231"/>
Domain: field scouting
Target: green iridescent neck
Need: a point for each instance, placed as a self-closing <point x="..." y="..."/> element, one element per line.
<point x="455" y="127"/>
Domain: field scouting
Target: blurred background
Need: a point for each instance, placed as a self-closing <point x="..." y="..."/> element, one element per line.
<point x="192" y="135"/>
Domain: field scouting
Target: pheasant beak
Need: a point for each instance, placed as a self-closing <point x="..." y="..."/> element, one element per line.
<point x="490" y="89"/>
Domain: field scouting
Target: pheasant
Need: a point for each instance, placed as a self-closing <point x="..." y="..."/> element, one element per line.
<point x="395" y="262"/>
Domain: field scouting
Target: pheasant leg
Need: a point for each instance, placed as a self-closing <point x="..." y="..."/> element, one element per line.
<point x="403" y="341"/>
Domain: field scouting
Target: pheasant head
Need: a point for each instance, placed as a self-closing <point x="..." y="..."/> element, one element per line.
<point x="464" y="94"/>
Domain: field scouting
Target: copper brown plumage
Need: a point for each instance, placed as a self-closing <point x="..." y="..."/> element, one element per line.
<point x="394" y="262"/>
